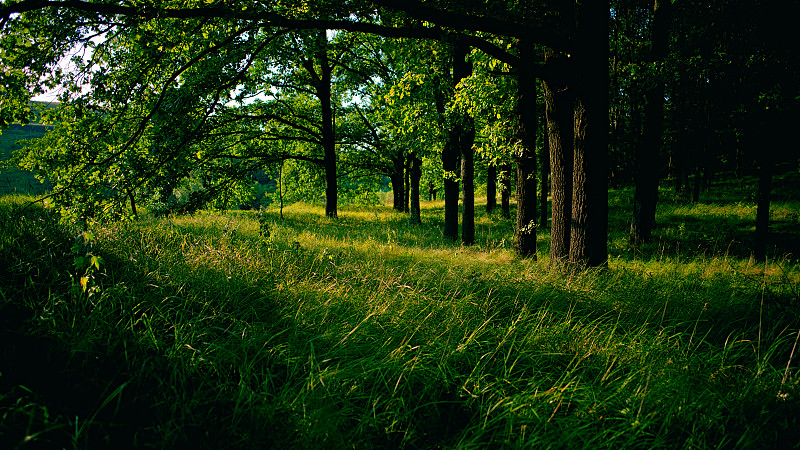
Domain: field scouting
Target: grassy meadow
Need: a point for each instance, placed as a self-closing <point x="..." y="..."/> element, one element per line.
<point x="12" y="179"/>
<point x="239" y="330"/>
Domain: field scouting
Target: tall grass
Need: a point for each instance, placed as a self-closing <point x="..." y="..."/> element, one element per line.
<point x="369" y="332"/>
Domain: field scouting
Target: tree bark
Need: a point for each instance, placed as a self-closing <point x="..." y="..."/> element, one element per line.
<point x="589" y="233"/>
<point x="525" y="237"/>
<point x="280" y="187"/>
<point x="462" y="68"/>
<point x="407" y="182"/>
<point x="397" y="178"/>
<point x="468" y="186"/>
<point x="544" y="180"/>
<point x="505" y="190"/>
<point x="459" y="139"/>
<point x="415" y="173"/>
<point x="559" y="106"/>
<point x="450" y="163"/>
<point x="491" y="188"/>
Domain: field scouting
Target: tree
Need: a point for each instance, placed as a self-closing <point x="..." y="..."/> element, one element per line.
<point x="461" y="138"/>
<point x="649" y="149"/>
<point x="303" y="69"/>
<point x="582" y="39"/>
<point x="528" y="118"/>
<point x="491" y="187"/>
<point x="558" y="99"/>
<point x="589" y="233"/>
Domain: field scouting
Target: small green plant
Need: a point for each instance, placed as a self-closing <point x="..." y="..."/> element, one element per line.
<point x="86" y="262"/>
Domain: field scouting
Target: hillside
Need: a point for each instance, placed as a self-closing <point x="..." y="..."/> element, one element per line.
<point x="12" y="179"/>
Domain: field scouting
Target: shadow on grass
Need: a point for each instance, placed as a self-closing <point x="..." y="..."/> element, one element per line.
<point x="721" y="224"/>
<point x="188" y="356"/>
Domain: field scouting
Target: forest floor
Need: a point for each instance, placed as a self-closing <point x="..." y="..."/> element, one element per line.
<point x="234" y="330"/>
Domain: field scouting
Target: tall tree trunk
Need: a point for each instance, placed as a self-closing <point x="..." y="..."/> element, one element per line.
<point x="462" y="68"/>
<point x="468" y="186"/>
<point x="559" y="105"/>
<point x="280" y="187"/>
<point x="505" y="190"/>
<point x="407" y="190"/>
<point x="328" y="126"/>
<point x="589" y="233"/>
<point x="397" y="178"/>
<point x="415" y="173"/>
<point x="544" y="178"/>
<point x="491" y="187"/>
<point x="460" y="137"/>
<point x="450" y="164"/>
<point x="525" y="236"/>
<point x="648" y="151"/>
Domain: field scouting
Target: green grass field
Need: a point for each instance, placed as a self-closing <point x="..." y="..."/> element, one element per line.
<point x="12" y="179"/>
<point x="368" y="332"/>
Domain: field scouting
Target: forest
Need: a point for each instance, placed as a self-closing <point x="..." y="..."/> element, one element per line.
<point x="399" y="224"/>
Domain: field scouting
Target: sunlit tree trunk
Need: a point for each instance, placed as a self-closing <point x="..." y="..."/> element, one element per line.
<point x="559" y="106"/>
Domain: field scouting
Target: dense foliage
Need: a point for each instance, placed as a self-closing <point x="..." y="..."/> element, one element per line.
<point x="200" y="97"/>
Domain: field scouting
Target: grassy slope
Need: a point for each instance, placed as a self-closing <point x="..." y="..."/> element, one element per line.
<point x="12" y="179"/>
<point x="368" y="332"/>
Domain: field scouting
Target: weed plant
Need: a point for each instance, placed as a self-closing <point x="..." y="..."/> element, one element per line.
<point x="368" y="332"/>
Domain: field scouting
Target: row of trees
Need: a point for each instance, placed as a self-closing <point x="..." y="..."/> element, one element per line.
<point x="578" y="94"/>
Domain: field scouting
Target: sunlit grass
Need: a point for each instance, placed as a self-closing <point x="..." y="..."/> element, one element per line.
<point x="370" y="332"/>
